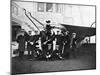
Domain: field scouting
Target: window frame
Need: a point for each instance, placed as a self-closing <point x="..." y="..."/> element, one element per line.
<point x="58" y="8"/>
<point x="38" y="5"/>
<point x="51" y="7"/>
<point x="15" y="10"/>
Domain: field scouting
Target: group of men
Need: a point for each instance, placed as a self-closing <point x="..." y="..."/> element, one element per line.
<point x="47" y="44"/>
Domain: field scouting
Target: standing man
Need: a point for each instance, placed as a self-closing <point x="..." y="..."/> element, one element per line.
<point x="46" y="39"/>
<point x="49" y="43"/>
<point x="35" y="48"/>
<point x="48" y="27"/>
<point x="21" y="40"/>
<point x="66" y="44"/>
<point x="73" y="44"/>
<point x="29" y="45"/>
<point x="59" y="42"/>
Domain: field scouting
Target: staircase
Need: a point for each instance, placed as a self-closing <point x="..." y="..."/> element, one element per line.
<point x="36" y="23"/>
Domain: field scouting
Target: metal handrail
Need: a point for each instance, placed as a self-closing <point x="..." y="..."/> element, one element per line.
<point x="29" y="26"/>
<point x="30" y="19"/>
<point x="92" y="24"/>
<point x="36" y="19"/>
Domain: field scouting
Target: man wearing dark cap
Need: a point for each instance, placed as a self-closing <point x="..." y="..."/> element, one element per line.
<point x="66" y="44"/>
<point x="48" y="27"/>
<point x="73" y="44"/>
<point x="35" y="40"/>
<point x="59" y="42"/>
<point x="29" y="45"/>
<point x="21" y="40"/>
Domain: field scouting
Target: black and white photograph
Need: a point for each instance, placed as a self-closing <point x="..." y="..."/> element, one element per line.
<point x="52" y="37"/>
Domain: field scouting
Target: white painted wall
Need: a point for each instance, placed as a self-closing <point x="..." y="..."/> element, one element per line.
<point x="71" y="14"/>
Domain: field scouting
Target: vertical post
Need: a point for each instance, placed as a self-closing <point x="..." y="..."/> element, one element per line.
<point x="90" y="27"/>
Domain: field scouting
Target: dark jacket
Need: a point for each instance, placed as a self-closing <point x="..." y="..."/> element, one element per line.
<point x="67" y="39"/>
<point x="73" y="43"/>
<point x="21" y="41"/>
<point x="34" y="39"/>
<point x="60" y="39"/>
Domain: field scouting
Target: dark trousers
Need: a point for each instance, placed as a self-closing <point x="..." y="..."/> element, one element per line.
<point x="66" y="51"/>
<point x="29" y="49"/>
<point x="33" y="51"/>
<point x="73" y="51"/>
<point x="44" y="49"/>
<point x="21" y="54"/>
<point x="50" y="48"/>
<point x="60" y="48"/>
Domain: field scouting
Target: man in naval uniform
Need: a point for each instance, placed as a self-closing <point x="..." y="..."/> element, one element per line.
<point x="59" y="42"/>
<point x="29" y="45"/>
<point x="66" y="44"/>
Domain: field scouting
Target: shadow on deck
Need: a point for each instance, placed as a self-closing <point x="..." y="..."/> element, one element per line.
<point x="86" y="59"/>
